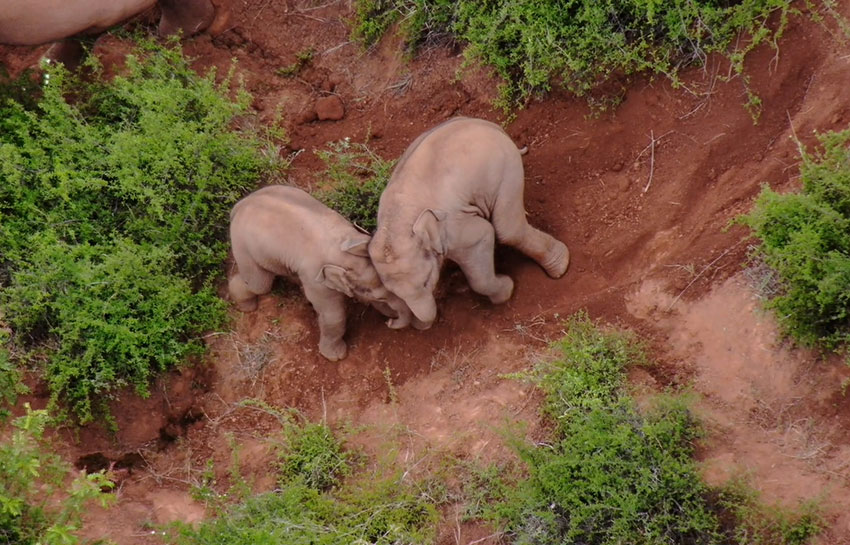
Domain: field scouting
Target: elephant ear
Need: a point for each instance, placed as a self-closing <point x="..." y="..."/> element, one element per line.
<point x="335" y="278"/>
<point x="358" y="246"/>
<point x="427" y="229"/>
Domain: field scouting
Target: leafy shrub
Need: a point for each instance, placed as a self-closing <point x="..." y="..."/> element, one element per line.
<point x="305" y="509"/>
<point x="755" y="523"/>
<point x="298" y="514"/>
<point x="36" y="504"/>
<point x="580" y="45"/>
<point x="114" y="198"/>
<point x="353" y="180"/>
<point x="10" y="379"/>
<point x="590" y="371"/>
<point x="312" y="455"/>
<point x="806" y="240"/>
<point x="612" y="473"/>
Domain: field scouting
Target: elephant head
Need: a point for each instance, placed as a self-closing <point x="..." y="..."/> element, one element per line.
<point x="360" y="280"/>
<point x="408" y="264"/>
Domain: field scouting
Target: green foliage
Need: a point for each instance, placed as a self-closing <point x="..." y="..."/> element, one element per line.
<point x="302" y="59"/>
<point x="312" y="506"/>
<point x="754" y="523"/>
<point x="24" y="89"/>
<point x="311" y="454"/>
<point x="612" y="473"/>
<point x="806" y="240"/>
<point x="10" y="379"/>
<point x="579" y="45"/>
<point x="298" y="514"/>
<point x="353" y="180"/>
<point x="589" y="373"/>
<point x="483" y="486"/>
<point x="115" y="208"/>
<point x="37" y="503"/>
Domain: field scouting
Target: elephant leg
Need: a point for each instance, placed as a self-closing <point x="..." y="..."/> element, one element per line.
<point x="472" y="250"/>
<point x="68" y="52"/>
<point x="512" y="227"/>
<point x="249" y="281"/>
<point x="247" y="285"/>
<point x="190" y="16"/>
<point x="330" y="308"/>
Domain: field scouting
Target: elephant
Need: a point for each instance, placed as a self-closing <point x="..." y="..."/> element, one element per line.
<point x="456" y="190"/>
<point x="283" y="231"/>
<point x="32" y="22"/>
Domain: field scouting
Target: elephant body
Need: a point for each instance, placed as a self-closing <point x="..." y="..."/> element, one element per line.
<point x="455" y="191"/>
<point x="283" y="231"/>
<point x="32" y="22"/>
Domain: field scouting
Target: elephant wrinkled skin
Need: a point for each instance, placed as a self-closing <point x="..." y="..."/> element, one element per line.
<point x="280" y="230"/>
<point x="456" y="190"/>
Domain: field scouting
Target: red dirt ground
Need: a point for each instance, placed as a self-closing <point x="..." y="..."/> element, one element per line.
<point x="642" y="196"/>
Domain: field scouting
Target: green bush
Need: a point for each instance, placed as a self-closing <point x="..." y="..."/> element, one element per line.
<point x="10" y="379"/>
<point x="311" y="505"/>
<point x="613" y="473"/>
<point x="114" y="199"/>
<point x="805" y="239"/>
<point x="754" y="523"/>
<point x="311" y="454"/>
<point x="37" y="504"/>
<point x="300" y="515"/>
<point x="579" y="45"/>
<point x="352" y="181"/>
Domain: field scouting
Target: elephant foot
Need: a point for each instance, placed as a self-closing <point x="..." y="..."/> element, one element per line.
<point x="556" y="265"/>
<point x="333" y="350"/>
<point x="505" y="288"/>
<point x="188" y="16"/>
<point x="248" y="305"/>
<point x="69" y="52"/>
<point x="398" y="323"/>
<point x="222" y="17"/>
<point x="420" y="325"/>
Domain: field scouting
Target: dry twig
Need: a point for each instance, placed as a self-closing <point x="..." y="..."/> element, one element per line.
<point x="695" y="278"/>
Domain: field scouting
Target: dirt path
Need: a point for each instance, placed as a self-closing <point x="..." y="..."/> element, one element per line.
<point x="642" y="197"/>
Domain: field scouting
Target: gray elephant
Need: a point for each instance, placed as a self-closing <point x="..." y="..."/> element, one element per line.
<point x="32" y="22"/>
<point x="455" y="191"/>
<point x="281" y="230"/>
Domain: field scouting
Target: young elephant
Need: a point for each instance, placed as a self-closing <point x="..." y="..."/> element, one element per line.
<point x="32" y="22"/>
<point x="280" y="230"/>
<point x="456" y="190"/>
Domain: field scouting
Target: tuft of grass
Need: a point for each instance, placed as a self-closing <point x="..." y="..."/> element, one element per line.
<point x="312" y="455"/>
<point x="582" y="46"/>
<point x="805" y="239"/>
<point x="589" y="372"/>
<point x="302" y="59"/>
<point x="114" y="199"/>
<point x="751" y="522"/>
<point x="353" y="180"/>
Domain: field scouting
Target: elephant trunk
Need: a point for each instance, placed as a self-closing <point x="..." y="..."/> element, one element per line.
<point x="424" y="310"/>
